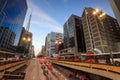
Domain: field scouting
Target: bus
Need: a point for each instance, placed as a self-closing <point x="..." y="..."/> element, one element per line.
<point x="69" y="57"/>
<point x="91" y="57"/>
<point x="105" y="58"/>
<point x="110" y="58"/>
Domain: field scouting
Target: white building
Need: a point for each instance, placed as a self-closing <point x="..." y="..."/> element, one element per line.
<point x="52" y="42"/>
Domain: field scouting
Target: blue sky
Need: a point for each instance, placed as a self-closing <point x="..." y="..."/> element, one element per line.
<point x="50" y="15"/>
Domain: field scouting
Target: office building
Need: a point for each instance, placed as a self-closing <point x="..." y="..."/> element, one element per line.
<point x="43" y="52"/>
<point x="21" y="41"/>
<point x="7" y="38"/>
<point x="12" y="14"/>
<point x="54" y="40"/>
<point x="25" y="43"/>
<point x="28" y="42"/>
<point x="115" y="4"/>
<point x="73" y="35"/>
<point x="101" y="32"/>
<point x="25" y="40"/>
<point x="47" y="45"/>
<point x="31" y="52"/>
<point x="42" y="49"/>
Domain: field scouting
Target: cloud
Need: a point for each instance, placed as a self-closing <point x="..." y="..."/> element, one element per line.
<point x="48" y="25"/>
<point x="43" y="19"/>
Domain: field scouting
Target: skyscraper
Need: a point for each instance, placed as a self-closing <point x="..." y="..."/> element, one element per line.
<point x="73" y="35"/>
<point x="6" y="39"/>
<point x="28" y="41"/>
<point x="115" y="4"/>
<point x="100" y="32"/>
<point x="21" y="41"/>
<point x="12" y="14"/>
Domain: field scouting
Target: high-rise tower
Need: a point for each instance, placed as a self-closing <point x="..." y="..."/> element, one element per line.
<point x="115" y="4"/>
<point x="100" y="32"/>
<point x="28" y="25"/>
<point x="28" y="35"/>
<point x="73" y="35"/>
<point x="12" y="15"/>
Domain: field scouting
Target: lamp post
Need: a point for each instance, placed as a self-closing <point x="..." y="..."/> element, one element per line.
<point x="100" y="15"/>
<point x="26" y="40"/>
<point x="57" y="45"/>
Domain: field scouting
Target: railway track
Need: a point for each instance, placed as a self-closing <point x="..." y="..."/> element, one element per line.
<point x="9" y="71"/>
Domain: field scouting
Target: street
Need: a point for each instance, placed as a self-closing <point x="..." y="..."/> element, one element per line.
<point x="35" y="72"/>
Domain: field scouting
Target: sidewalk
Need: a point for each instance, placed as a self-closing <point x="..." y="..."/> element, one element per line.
<point x="34" y="71"/>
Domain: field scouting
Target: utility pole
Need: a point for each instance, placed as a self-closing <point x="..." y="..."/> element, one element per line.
<point x="111" y="55"/>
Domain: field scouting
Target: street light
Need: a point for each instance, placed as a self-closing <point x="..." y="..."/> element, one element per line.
<point x="57" y="45"/>
<point x="28" y="39"/>
<point x="100" y="16"/>
<point x="96" y="11"/>
<point x="58" y="42"/>
<point x="25" y="40"/>
<point x="103" y="14"/>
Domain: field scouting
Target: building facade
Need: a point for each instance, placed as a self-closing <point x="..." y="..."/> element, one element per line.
<point x="25" y="42"/>
<point x="31" y="52"/>
<point x="21" y="41"/>
<point x="42" y="49"/>
<point x="115" y="4"/>
<point x="7" y="38"/>
<point x="43" y="52"/>
<point x="28" y="42"/>
<point x="101" y="33"/>
<point x="53" y="42"/>
<point x="47" y="45"/>
<point x="12" y="14"/>
<point x="73" y="35"/>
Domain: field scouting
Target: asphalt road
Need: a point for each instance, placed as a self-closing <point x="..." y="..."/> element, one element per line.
<point x="34" y="71"/>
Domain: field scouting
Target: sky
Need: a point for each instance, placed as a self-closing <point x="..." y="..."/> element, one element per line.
<point x="50" y="16"/>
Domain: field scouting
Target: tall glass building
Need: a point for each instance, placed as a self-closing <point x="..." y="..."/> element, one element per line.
<point x="12" y="15"/>
<point x="73" y="35"/>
